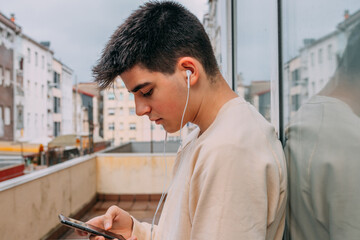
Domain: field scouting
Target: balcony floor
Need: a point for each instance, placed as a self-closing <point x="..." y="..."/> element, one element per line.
<point x="142" y="210"/>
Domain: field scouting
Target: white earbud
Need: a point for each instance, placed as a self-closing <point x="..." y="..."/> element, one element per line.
<point x="188" y="74"/>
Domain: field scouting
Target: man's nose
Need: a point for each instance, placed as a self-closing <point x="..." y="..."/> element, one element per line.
<point x="142" y="108"/>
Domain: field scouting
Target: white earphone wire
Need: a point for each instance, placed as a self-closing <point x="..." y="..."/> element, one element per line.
<point x="165" y="176"/>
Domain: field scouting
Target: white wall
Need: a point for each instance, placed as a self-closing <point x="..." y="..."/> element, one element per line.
<point x="67" y="104"/>
<point x="36" y="74"/>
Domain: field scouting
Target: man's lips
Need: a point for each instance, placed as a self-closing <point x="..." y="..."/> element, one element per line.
<point x="156" y="120"/>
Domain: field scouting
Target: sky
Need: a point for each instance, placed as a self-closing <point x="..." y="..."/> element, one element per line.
<point x="78" y="29"/>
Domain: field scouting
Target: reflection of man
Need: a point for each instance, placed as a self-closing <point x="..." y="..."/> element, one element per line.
<point x="323" y="153"/>
<point x="229" y="179"/>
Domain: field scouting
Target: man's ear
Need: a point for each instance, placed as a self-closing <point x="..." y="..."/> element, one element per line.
<point x="189" y="63"/>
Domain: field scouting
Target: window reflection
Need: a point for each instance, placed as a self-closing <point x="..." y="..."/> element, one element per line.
<point x="253" y="53"/>
<point x="322" y="107"/>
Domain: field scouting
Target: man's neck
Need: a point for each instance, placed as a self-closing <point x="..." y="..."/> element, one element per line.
<point x="213" y="98"/>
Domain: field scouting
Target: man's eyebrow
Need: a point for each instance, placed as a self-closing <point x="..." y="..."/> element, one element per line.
<point x="140" y="86"/>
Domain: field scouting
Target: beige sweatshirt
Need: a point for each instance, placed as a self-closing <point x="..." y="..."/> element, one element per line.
<point x="228" y="183"/>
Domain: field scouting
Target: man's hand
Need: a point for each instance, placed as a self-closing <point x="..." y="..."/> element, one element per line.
<point x="114" y="220"/>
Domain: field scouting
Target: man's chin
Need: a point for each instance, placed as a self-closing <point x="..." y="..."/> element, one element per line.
<point x="170" y="129"/>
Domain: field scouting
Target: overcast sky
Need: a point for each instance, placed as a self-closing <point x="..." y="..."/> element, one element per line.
<point x="78" y="29"/>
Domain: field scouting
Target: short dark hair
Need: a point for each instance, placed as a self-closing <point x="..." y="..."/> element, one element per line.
<point x="349" y="64"/>
<point x="155" y="36"/>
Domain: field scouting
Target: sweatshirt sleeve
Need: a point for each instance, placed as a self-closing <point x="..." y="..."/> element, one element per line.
<point x="234" y="193"/>
<point x="142" y="230"/>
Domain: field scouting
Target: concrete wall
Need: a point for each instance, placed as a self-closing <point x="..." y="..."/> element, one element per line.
<point x="30" y="204"/>
<point x="133" y="173"/>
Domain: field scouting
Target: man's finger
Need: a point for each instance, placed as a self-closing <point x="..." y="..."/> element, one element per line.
<point x="109" y="217"/>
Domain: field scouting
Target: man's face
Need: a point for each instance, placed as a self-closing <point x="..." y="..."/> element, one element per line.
<point x="160" y="97"/>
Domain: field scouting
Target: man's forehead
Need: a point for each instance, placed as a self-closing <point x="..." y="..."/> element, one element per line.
<point x="138" y="77"/>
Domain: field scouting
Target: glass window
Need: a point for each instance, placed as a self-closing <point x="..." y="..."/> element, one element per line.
<point x="111" y="111"/>
<point x="330" y="52"/>
<point x="7" y="78"/>
<point x="320" y="55"/>
<point x="121" y="96"/>
<point x="36" y="58"/>
<point x="121" y="126"/>
<point x="131" y="97"/>
<point x="322" y="118"/>
<point x="111" y="96"/>
<point x="111" y="126"/>
<point x="132" y="111"/>
<point x="254" y="52"/>
<point x="121" y="111"/>
<point x="20" y="117"/>
<point x="7" y="117"/>
<point x="132" y="126"/>
<point x="28" y="55"/>
<point x="57" y="105"/>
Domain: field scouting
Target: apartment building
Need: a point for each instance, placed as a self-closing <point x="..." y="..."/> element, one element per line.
<point x="89" y="92"/>
<point x="8" y="34"/>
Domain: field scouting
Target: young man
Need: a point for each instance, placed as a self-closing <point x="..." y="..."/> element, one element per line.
<point x="229" y="178"/>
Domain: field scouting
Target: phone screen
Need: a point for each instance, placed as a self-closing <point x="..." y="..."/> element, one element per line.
<point x="73" y="223"/>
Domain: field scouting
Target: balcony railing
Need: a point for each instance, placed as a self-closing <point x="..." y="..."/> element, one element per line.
<point x="30" y="204"/>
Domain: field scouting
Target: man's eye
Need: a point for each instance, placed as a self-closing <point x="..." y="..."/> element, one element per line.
<point x="147" y="94"/>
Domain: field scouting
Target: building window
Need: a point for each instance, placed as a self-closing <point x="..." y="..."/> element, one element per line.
<point x="7" y="114"/>
<point x="28" y="55"/>
<point x="42" y="62"/>
<point x="36" y="58"/>
<point x="29" y="87"/>
<point x="19" y="117"/>
<point x="56" y="129"/>
<point x="295" y="75"/>
<point x="132" y="111"/>
<point x="132" y="126"/>
<point x="56" y="105"/>
<point x="111" y="126"/>
<point x="111" y="111"/>
<point x="111" y="96"/>
<point x="131" y="97"/>
<point x="56" y="79"/>
<point x="320" y="55"/>
<point x="121" y="96"/>
<point x="7" y="79"/>
<point x="312" y="56"/>
<point x="121" y="126"/>
<point x="329" y="52"/>
<point x="121" y="111"/>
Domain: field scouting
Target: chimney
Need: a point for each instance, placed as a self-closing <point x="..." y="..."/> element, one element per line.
<point x="346" y="14"/>
<point x="12" y="17"/>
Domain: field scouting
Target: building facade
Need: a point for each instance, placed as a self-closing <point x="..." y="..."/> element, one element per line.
<point x="8" y="33"/>
<point x="37" y="75"/>
<point x="67" y="100"/>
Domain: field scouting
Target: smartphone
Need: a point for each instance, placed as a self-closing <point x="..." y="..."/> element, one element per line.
<point x="85" y="227"/>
